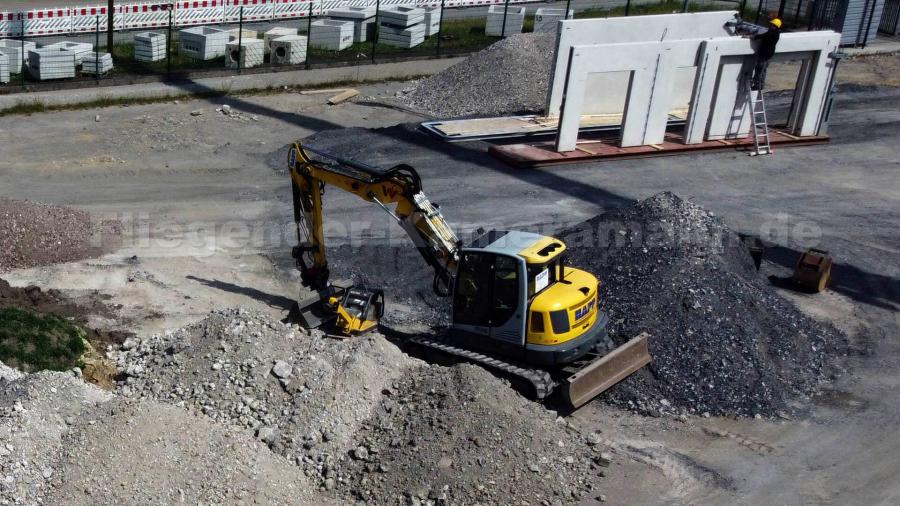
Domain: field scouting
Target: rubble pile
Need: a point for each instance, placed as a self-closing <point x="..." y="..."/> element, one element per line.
<point x="723" y="341"/>
<point x="511" y="76"/>
<point x="35" y="234"/>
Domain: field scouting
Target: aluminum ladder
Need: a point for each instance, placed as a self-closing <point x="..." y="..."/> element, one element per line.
<point x="761" y="145"/>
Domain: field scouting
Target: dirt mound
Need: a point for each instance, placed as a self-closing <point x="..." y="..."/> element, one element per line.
<point x="459" y="435"/>
<point x="723" y="341"/>
<point x="511" y="76"/>
<point x="305" y="395"/>
<point x="36" y="234"/>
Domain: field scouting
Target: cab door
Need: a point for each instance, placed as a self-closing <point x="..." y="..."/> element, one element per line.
<point x="488" y="298"/>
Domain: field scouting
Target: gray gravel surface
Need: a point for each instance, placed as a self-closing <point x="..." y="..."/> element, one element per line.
<point x="510" y="76"/>
<point x="723" y="341"/>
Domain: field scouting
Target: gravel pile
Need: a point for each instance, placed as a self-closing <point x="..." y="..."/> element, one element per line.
<point x="509" y="77"/>
<point x="459" y="435"/>
<point x="304" y="395"/>
<point x="36" y="234"/>
<point x="723" y="341"/>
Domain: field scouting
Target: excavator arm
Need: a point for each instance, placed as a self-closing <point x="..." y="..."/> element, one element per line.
<point x="397" y="190"/>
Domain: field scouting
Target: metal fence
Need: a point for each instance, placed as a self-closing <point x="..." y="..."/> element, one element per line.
<point x="233" y="35"/>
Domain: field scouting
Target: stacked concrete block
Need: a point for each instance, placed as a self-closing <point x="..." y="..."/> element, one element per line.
<point x="17" y="51"/>
<point x="515" y="18"/>
<point x="401" y="26"/>
<point x="96" y="63"/>
<point x="363" y="19"/>
<point x="432" y="21"/>
<point x="402" y="37"/>
<point x="49" y="63"/>
<point x="547" y="19"/>
<point x="4" y="68"/>
<point x="331" y="34"/>
<point x="274" y="33"/>
<point x="79" y="49"/>
<point x="289" y="50"/>
<point x="149" y="46"/>
<point x="203" y="42"/>
<point x="249" y="53"/>
<point x="236" y="34"/>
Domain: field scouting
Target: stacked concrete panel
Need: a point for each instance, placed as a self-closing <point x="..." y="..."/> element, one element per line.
<point x="16" y="50"/>
<point x="249" y="53"/>
<point x="274" y="33"/>
<point x="79" y="49"/>
<point x="49" y="63"/>
<point x="235" y="34"/>
<point x="401" y="26"/>
<point x="515" y="18"/>
<point x="432" y="21"/>
<point x="203" y="42"/>
<point x="289" y="50"/>
<point x="149" y="46"/>
<point x="96" y="63"/>
<point x="363" y="19"/>
<point x="331" y="34"/>
<point x="4" y="67"/>
<point x="547" y="19"/>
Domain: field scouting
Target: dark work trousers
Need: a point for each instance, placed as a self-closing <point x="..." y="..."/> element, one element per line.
<point x="759" y="74"/>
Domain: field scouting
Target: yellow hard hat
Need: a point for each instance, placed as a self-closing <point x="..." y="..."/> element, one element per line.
<point x="776" y="22"/>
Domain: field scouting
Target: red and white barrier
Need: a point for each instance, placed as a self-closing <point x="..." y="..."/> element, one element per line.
<point x="290" y="9"/>
<point x="152" y="15"/>
<point x="10" y="24"/>
<point x="47" y="22"/>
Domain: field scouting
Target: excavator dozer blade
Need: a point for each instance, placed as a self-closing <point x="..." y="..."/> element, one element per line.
<point x="596" y="377"/>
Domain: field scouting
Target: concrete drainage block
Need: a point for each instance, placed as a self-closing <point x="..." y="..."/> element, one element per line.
<point x="432" y="21"/>
<point x="4" y="67"/>
<point x="96" y="63"/>
<point x="407" y="37"/>
<point x="249" y="53"/>
<point x="401" y="16"/>
<point x="149" y="46"/>
<point x="331" y="34"/>
<point x="274" y="33"/>
<point x="45" y="64"/>
<point x="515" y="18"/>
<point x="363" y="19"/>
<point x="79" y="49"/>
<point x="202" y="42"/>
<point x="289" y="50"/>
<point x="19" y="49"/>
<point x="547" y="19"/>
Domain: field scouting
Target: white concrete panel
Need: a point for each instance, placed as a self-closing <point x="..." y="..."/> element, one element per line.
<point x="663" y="27"/>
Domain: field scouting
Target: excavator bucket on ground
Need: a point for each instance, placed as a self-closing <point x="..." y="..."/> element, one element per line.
<point x="604" y="372"/>
<point x="813" y="272"/>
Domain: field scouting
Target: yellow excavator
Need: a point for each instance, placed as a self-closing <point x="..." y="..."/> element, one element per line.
<point x="516" y="306"/>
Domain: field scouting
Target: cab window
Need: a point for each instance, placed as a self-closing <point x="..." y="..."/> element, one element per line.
<point x="506" y="289"/>
<point x="472" y="297"/>
<point x="540" y="276"/>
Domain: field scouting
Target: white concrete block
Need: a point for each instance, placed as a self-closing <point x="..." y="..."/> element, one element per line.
<point x="515" y="18"/>
<point x="407" y="37"/>
<point x="353" y="12"/>
<point x="331" y="34"/>
<point x="202" y="42"/>
<point x="234" y="34"/>
<point x="79" y="49"/>
<point x="402" y="16"/>
<point x="432" y="21"/>
<point x="547" y="19"/>
<point x="289" y="50"/>
<point x="249" y="53"/>
<point x="149" y="46"/>
<point x="94" y="63"/>
<point x="45" y="64"/>
<point x="363" y="19"/>
<point x="21" y="49"/>
<point x="4" y="66"/>
<point x="274" y="33"/>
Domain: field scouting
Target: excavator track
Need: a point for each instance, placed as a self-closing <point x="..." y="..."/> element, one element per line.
<point x="540" y="380"/>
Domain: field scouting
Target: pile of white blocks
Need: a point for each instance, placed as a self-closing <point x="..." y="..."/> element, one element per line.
<point x="274" y="33"/>
<point x="432" y="21"/>
<point x="96" y="63"/>
<point x="4" y="68"/>
<point x="237" y="34"/>
<point x="401" y="26"/>
<point x="16" y="50"/>
<point x="249" y="53"/>
<point x="547" y="19"/>
<point x="203" y="42"/>
<point x="49" y="63"/>
<point x="331" y="34"/>
<point x="79" y="49"/>
<point x="363" y="19"/>
<point x="149" y="46"/>
<point x="515" y="18"/>
<point x="289" y="50"/>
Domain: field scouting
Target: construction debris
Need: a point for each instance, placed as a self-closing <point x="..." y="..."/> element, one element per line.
<point x="343" y="97"/>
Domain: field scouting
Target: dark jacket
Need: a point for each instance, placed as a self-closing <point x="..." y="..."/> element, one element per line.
<point x="767" y="42"/>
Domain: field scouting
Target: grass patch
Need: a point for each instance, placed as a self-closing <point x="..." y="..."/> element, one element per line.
<point x="33" y="342"/>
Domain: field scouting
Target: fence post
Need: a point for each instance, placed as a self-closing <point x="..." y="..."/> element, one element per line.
<point x="566" y="14"/>
<point x="22" y="35"/>
<point x="309" y="34"/>
<point x="169" y="45"/>
<point x="241" y="39"/>
<point x="503" y="28"/>
<point x="627" y="7"/>
<point x="684" y="8"/>
<point x="377" y="28"/>
<point x="440" y="29"/>
<point x="97" y="51"/>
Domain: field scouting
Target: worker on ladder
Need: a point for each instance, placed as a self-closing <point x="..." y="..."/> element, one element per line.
<point x="765" y="50"/>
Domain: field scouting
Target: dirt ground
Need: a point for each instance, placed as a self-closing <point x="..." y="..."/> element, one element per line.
<point x="207" y="214"/>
